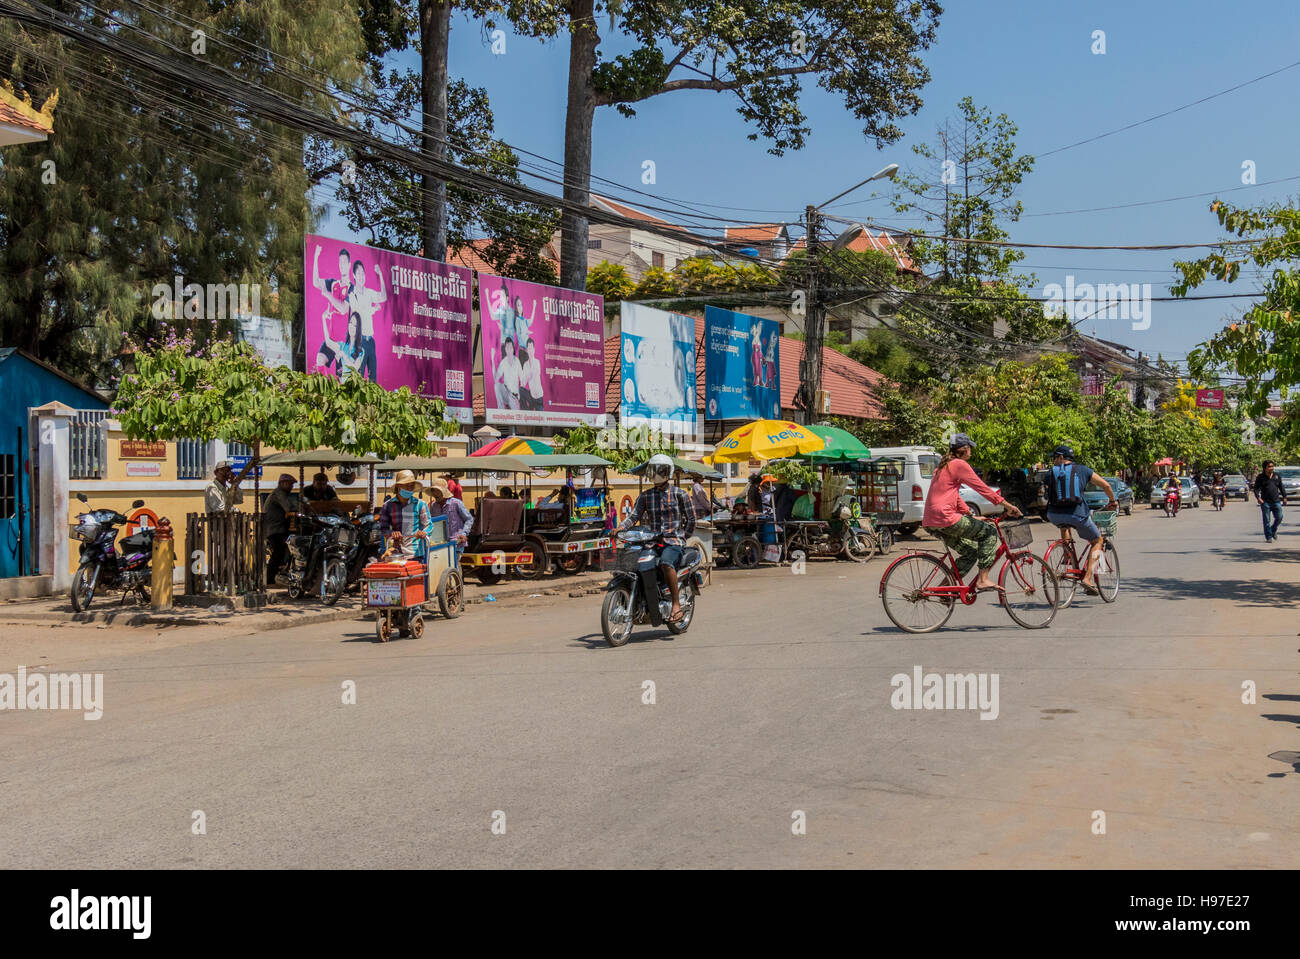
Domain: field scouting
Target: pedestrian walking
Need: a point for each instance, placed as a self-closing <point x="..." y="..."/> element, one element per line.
<point x="1271" y="497"/>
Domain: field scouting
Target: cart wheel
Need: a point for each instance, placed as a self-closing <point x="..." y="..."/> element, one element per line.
<point x="572" y="565"/>
<point x="451" y="593"/>
<point x="383" y="627"/>
<point x="417" y="625"/>
<point x="403" y="624"/>
<point x="541" y="562"/>
<point x="486" y="576"/>
<point x="747" y="553"/>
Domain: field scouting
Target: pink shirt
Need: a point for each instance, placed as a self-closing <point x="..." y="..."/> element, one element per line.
<point x="944" y="505"/>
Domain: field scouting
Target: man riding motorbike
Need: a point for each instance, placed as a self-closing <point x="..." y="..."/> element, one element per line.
<point x="1173" y="496"/>
<point x="670" y="516"/>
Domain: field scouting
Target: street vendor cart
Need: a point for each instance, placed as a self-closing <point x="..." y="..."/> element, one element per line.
<point x="398" y="591"/>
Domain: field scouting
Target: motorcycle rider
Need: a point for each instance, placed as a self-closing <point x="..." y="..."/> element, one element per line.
<point x="1173" y="496"/>
<point x="671" y="517"/>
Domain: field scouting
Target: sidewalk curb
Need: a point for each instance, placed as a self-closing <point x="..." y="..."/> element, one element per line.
<point x="285" y="617"/>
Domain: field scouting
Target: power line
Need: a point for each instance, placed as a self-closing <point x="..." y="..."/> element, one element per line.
<point x="1166" y="113"/>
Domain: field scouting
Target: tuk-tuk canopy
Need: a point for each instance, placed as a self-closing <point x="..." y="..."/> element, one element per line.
<point x="689" y="467"/>
<point x="493" y="464"/>
<point x="321" y="458"/>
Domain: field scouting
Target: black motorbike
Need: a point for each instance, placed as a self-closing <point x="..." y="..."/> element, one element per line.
<point x="367" y="547"/>
<point x="106" y="564"/>
<point x="637" y="592"/>
<point x="1218" y="495"/>
<point x="318" y="556"/>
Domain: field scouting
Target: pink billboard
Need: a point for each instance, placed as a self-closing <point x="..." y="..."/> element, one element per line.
<point x="543" y="353"/>
<point x="396" y="319"/>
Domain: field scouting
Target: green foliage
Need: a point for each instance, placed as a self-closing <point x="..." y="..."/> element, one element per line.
<point x="145" y="188"/>
<point x="967" y="189"/>
<point x="225" y="391"/>
<point x="793" y="472"/>
<point x="884" y="351"/>
<point x="625" y="448"/>
<point x="611" y="281"/>
<point x="656" y="283"/>
<point x="1263" y="345"/>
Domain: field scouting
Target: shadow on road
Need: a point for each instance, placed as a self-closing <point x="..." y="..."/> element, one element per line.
<point x="597" y="640"/>
<point x="1256" y="554"/>
<point x="1282" y="718"/>
<point x="1245" y="592"/>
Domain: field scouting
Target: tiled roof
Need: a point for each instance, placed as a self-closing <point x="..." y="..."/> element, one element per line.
<point x="622" y="209"/>
<point x="471" y="256"/>
<point x="758" y="233"/>
<point x="869" y="241"/>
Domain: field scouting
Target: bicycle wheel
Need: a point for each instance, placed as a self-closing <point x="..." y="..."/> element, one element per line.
<point x="1060" y="560"/>
<point x="1030" y="592"/>
<point x="1107" y="573"/>
<point x="902" y="592"/>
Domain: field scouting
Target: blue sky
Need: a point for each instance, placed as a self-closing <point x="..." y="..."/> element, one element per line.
<point x="1027" y="58"/>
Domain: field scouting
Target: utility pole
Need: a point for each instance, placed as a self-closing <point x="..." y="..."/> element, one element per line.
<point x="810" y="370"/>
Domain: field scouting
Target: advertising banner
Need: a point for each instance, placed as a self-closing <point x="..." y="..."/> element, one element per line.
<point x="1210" y="399"/>
<point x="742" y="366"/>
<point x="543" y="353"/>
<point x="270" y="336"/>
<point x="395" y="319"/>
<point x="659" y="377"/>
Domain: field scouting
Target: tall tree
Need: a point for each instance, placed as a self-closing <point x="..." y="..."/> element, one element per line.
<point x="445" y="119"/>
<point x="150" y="183"/>
<point x="864" y="51"/>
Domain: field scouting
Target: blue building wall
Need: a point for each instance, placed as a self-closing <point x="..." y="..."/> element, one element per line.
<point x="24" y="384"/>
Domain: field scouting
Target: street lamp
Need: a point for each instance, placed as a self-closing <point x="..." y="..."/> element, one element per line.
<point x="810" y="370"/>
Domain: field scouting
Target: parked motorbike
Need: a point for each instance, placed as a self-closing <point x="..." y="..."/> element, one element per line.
<point x="318" y="551"/>
<point x="368" y="544"/>
<point x="105" y="564"/>
<point x="637" y="592"/>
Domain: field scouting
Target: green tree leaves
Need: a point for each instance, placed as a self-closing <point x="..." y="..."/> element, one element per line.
<point x="225" y="391"/>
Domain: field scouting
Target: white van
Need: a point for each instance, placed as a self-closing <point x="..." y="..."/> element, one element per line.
<point x="916" y="465"/>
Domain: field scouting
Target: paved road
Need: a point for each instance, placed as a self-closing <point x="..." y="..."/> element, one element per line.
<point x="778" y="700"/>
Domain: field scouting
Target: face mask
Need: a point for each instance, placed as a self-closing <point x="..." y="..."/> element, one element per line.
<point x="405" y="494"/>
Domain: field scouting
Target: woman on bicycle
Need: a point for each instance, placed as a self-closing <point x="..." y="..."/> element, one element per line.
<point x="948" y="517"/>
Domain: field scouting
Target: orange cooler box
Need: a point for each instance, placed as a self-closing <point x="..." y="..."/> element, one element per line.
<point x="394" y="585"/>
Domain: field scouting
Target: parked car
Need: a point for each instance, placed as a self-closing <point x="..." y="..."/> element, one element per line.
<point x="1096" y="498"/>
<point x="1190" y="491"/>
<point x="979" y="506"/>
<point x="915" y="465"/>
<point x="1236" y="486"/>
<point x="1290" y="476"/>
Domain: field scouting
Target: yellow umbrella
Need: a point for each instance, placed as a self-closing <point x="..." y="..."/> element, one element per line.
<point x="766" y="440"/>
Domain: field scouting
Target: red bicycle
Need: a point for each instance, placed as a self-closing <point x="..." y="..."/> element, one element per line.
<point x="921" y="589"/>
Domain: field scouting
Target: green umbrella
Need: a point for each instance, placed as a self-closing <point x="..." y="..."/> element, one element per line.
<point x="840" y="445"/>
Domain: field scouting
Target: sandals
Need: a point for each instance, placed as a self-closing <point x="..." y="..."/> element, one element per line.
<point x="1090" y="590"/>
<point x="674" y="620"/>
<point x="991" y="588"/>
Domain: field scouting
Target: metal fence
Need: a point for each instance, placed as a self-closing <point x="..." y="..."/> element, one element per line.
<point x="88" y="445"/>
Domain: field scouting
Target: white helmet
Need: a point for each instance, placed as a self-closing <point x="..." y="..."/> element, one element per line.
<point x="660" y="467"/>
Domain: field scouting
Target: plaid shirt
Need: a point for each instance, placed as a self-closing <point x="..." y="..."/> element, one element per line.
<point x="406" y="518"/>
<point x="668" y="510"/>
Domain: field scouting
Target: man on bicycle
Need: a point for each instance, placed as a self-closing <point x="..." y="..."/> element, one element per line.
<point x="1066" y="506"/>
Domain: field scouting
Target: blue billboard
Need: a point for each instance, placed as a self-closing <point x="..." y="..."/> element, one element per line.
<point x="742" y="366"/>
<point x="658" y="370"/>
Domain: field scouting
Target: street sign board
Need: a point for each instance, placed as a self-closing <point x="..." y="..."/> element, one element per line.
<point x="1210" y="399"/>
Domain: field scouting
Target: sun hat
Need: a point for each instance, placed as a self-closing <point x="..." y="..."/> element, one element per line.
<point x="407" y="478"/>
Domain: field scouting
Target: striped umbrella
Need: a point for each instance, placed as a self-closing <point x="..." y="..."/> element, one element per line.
<point x="514" y="446"/>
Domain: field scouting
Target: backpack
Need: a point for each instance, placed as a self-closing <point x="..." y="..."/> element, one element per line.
<point x="1064" y="489"/>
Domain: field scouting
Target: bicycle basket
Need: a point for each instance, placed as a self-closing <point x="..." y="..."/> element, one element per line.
<point x="1019" y="535"/>
<point x="1107" y="521"/>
